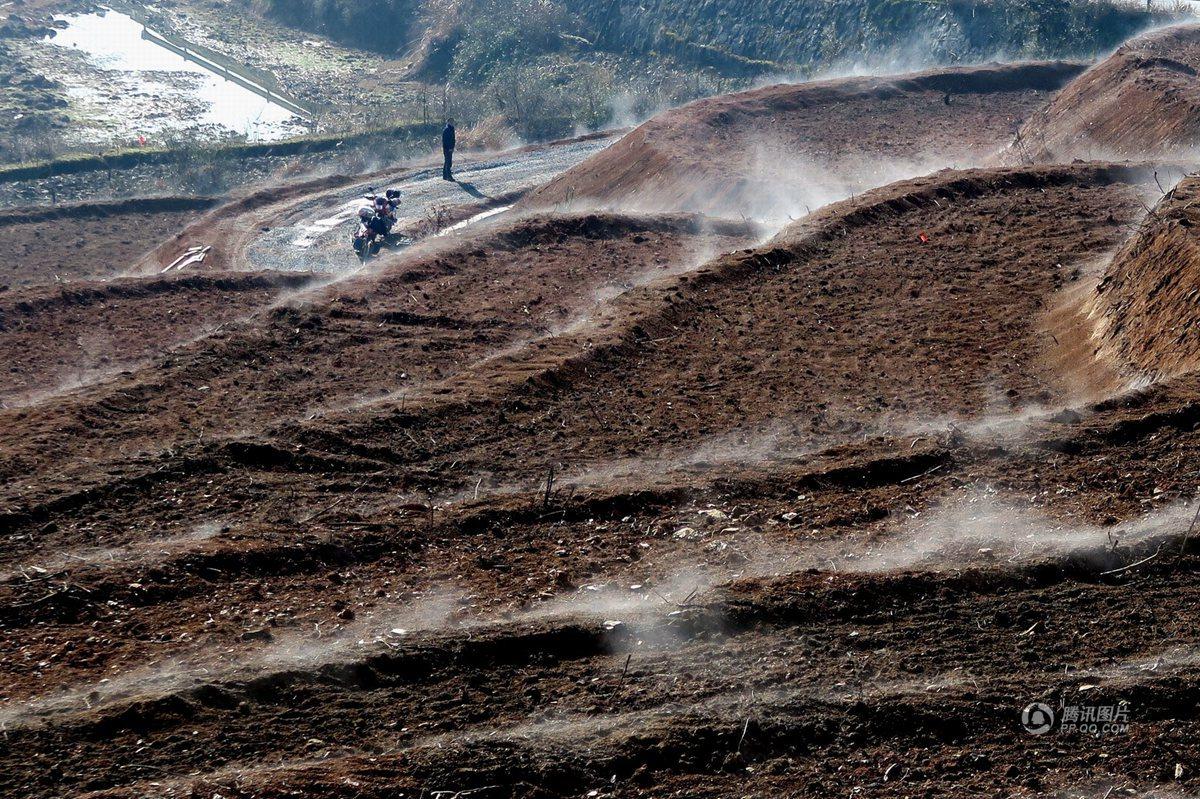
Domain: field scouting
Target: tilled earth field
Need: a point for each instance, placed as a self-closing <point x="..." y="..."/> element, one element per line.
<point x="86" y="240"/>
<point x="612" y="504"/>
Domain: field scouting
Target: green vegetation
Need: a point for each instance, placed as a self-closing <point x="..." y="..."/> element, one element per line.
<point x="386" y="27"/>
<point x="470" y="39"/>
<point x="512" y="70"/>
<point x="547" y="66"/>
<point x="500" y="34"/>
<point x="737" y="36"/>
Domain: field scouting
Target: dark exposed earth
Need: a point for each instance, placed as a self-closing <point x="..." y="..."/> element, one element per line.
<point x="601" y="497"/>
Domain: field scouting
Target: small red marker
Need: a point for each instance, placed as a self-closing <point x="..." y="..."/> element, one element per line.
<point x="923" y="236"/>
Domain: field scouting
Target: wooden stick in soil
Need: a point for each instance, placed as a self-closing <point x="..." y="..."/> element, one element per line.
<point x="742" y="739"/>
<point x="1188" y="534"/>
<point x="549" y="487"/>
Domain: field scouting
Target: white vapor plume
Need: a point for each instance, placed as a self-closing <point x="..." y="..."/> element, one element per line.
<point x="380" y="628"/>
<point x="983" y="530"/>
<point x="140" y="551"/>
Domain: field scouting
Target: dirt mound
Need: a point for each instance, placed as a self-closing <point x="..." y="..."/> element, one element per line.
<point x="540" y="230"/>
<point x="442" y="308"/>
<point x="782" y="150"/>
<point x="1144" y="311"/>
<point x="794" y="346"/>
<point x="103" y="210"/>
<point x="1141" y="102"/>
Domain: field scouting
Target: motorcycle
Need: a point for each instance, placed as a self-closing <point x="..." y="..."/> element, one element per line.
<point x="373" y="230"/>
<point x="366" y="241"/>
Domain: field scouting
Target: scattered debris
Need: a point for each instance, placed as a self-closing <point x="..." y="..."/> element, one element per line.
<point x="190" y="256"/>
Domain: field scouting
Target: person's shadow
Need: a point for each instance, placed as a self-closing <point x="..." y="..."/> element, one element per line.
<point x="472" y="189"/>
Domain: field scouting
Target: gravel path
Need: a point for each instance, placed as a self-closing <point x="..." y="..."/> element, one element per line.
<point x="315" y="234"/>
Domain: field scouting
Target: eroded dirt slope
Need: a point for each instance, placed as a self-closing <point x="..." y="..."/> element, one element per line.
<point x="1141" y="314"/>
<point x="392" y="597"/>
<point x="1140" y="102"/>
<point x="423" y="318"/>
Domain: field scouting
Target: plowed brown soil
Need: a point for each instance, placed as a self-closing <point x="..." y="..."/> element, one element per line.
<point x="1145" y="303"/>
<point x="90" y="240"/>
<point x="600" y="504"/>
<point x="75" y="333"/>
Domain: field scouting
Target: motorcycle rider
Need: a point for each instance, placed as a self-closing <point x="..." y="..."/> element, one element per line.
<point x="378" y="217"/>
<point x="383" y="212"/>
<point x="373" y="222"/>
<point x="366" y="216"/>
<point x="379" y="223"/>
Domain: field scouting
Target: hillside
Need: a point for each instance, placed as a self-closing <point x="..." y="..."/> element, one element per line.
<point x="731" y="36"/>
<point x="784" y="445"/>
<point x="597" y="64"/>
<point x="508" y="70"/>
<point x="782" y="150"/>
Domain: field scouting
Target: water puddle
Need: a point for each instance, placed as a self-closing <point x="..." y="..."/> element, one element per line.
<point x="159" y="90"/>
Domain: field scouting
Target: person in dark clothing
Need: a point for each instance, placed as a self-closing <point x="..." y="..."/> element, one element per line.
<point x="380" y="225"/>
<point x="448" y="142"/>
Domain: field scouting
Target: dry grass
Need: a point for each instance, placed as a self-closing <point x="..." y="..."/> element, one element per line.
<point x="491" y="133"/>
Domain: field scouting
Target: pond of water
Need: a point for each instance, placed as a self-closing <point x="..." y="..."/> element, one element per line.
<point x="113" y="42"/>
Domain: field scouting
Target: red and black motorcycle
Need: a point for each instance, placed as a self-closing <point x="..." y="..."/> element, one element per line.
<point x="367" y="239"/>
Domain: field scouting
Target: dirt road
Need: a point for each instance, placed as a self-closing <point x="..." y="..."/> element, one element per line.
<point x="57" y="341"/>
<point x="314" y="234"/>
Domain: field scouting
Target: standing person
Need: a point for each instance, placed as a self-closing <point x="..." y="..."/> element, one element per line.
<point x="448" y="142"/>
